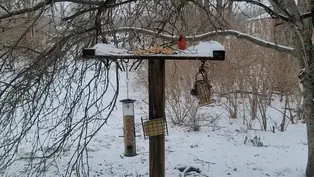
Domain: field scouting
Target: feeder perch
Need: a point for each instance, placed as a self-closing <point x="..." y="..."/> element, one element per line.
<point x="154" y="127"/>
<point x="129" y="127"/>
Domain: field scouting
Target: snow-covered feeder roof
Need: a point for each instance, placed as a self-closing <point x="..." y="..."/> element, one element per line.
<point x="108" y="49"/>
<point x="212" y="50"/>
<point x="205" y="49"/>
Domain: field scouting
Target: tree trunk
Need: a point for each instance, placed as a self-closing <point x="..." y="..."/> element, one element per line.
<point x="229" y="10"/>
<point x="206" y="4"/>
<point x="308" y="116"/>
<point x="307" y="81"/>
<point x="220" y="8"/>
<point x="308" y="106"/>
<point x="254" y="104"/>
<point x="310" y="135"/>
<point x="283" y="122"/>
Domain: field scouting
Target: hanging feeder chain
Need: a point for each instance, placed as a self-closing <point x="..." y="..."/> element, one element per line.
<point x="202" y="70"/>
<point x="127" y="81"/>
<point x="202" y="66"/>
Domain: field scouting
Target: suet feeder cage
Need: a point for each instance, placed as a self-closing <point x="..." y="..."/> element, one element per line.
<point x="129" y="127"/>
<point x="204" y="92"/>
<point x="154" y="127"/>
<point x="202" y="88"/>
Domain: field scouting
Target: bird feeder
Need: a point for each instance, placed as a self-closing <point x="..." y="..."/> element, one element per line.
<point x="129" y="127"/>
<point x="154" y="127"/>
<point x="202" y="87"/>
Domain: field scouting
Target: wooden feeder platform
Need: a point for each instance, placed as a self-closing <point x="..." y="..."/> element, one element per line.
<point x="107" y="51"/>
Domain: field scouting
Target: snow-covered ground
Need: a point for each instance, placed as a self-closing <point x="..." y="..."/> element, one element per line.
<point x="218" y="149"/>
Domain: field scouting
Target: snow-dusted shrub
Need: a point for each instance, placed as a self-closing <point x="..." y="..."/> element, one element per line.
<point x="181" y="106"/>
<point x="255" y="141"/>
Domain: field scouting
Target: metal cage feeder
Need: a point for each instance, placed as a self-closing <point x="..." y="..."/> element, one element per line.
<point x="154" y="127"/>
<point x="202" y="88"/>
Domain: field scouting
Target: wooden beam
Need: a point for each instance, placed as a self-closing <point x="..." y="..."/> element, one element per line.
<point x="156" y="81"/>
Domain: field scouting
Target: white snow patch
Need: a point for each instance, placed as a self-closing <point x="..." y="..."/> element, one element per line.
<point x="108" y="49"/>
<point x="204" y="49"/>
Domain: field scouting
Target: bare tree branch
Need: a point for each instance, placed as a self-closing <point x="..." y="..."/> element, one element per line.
<point x="47" y="2"/>
<point x="270" y="11"/>
<point x="204" y="36"/>
<point x="78" y="13"/>
<point x="281" y="7"/>
<point x="4" y="8"/>
<point x="306" y="15"/>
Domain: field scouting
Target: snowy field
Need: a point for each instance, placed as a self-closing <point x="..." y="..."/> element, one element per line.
<point x="218" y="149"/>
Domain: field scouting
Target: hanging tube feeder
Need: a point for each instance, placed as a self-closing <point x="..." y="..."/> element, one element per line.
<point x="129" y="127"/>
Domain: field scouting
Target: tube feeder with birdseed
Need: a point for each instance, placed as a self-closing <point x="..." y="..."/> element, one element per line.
<point x="129" y="127"/>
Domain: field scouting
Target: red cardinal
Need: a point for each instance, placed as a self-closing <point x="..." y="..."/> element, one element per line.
<point x="182" y="44"/>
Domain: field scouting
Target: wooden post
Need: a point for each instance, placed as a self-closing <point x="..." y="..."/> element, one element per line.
<point x="156" y="85"/>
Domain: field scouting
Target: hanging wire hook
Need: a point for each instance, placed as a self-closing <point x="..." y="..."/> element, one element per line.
<point x="126" y="61"/>
<point x="202" y="71"/>
<point x="203" y="65"/>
